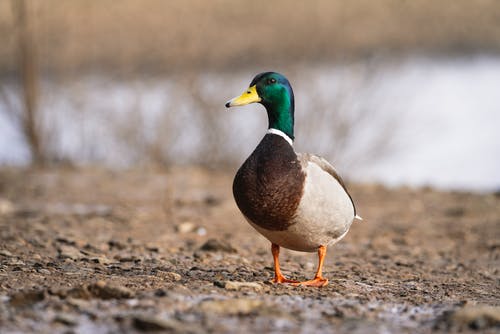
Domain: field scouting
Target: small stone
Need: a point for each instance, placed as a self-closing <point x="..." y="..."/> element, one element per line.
<point x="16" y="262"/>
<point x="212" y="200"/>
<point x="160" y="293"/>
<point x="476" y="317"/>
<point x="101" y="259"/>
<point x="240" y="306"/>
<point x="68" y="252"/>
<point x="6" y="207"/>
<point x="66" y="319"/>
<point x="100" y="289"/>
<point x="100" y="284"/>
<point x="104" y="290"/>
<point x="186" y="227"/>
<point x="236" y="286"/>
<point x="26" y="298"/>
<point x="6" y="253"/>
<point x="148" y="323"/>
<point x="493" y="244"/>
<point x="44" y="271"/>
<point x="80" y="304"/>
<point x="169" y="276"/>
<point x="79" y="292"/>
<point x="116" y="244"/>
<point x="65" y="240"/>
<point x="125" y="258"/>
<point x="201" y="231"/>
<point x="152" y="248"/>
<point x="214" y="245"/>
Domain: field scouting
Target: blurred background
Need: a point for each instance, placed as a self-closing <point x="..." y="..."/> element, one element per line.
<point x="395" y="92"/>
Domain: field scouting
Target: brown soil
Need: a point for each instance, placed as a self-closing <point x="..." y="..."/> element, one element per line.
<point x="93" y="251"/>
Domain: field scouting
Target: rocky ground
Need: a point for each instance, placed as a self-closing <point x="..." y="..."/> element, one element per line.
<point x="93" y="251"/>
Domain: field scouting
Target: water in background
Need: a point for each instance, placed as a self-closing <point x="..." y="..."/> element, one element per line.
<point x="418" y="121"/>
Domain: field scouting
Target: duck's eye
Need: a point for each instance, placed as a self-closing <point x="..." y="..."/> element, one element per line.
<point x="271" y="81"/>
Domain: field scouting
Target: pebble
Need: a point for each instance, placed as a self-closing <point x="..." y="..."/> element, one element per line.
<point x="66" y="319"/>
<point x="160" y="293"/>
<point x="152" y="248"/>
<point x="133" y="302"/>
<point x="240" y="306"/>
<point x="201" y="231"/>
<point x="70" y="253"/>
<point x="101" y="259"/>
<point x="5" y="252"/>
<point x="80" y="304"/>
<point x="152" y="323"/>
<point x="6" y="207"/>
<point x="236" y="286"/>
<point x="214" y="245"/>
<point x="44" y="271"/>
<point x="126" y="258"/>
<point x="100" y="289"/>
<point x="212" y="200"/>
<point x="116" y="244"/>
<point x="26" y="298"/>
<point x="104" y="290"/>
<point x="16" y="262"/>
<point x="186" y="227"/>
<point x="477" y="317"/>
<point x="169" y="276"/>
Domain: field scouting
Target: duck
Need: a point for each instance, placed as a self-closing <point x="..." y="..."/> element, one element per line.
<point x="297" y="201"/>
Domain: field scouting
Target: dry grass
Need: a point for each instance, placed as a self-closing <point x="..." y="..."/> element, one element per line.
<point x="131" y="36"/>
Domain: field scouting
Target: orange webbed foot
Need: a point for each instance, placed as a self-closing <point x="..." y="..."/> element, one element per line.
<point x="282" y="280"/>
<point x="317" y="282"/>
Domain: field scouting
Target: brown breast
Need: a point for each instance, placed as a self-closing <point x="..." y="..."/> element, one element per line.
<point x="269" y="185"/>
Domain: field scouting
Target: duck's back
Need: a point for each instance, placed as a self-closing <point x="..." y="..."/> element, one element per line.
<point x="269" y="185"/>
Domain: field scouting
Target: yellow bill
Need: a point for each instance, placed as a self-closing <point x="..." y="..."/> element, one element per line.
<point x="248" y="96"/>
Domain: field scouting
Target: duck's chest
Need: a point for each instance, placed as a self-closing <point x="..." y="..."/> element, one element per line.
<point x="268" y="187"/>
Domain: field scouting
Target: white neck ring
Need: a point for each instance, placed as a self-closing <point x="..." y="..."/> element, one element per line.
<point x="281" y="134"/>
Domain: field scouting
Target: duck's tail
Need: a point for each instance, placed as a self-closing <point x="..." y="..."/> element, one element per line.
<point x="358" y="217"/>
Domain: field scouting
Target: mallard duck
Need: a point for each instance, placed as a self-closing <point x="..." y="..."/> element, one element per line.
<point x="295" y="200"/>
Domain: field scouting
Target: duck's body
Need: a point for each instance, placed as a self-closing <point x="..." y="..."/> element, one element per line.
<point x="295" y="200"/>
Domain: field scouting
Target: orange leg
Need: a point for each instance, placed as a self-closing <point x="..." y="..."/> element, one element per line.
<point x="318" y="280"/>
<point x="278" y="276"/>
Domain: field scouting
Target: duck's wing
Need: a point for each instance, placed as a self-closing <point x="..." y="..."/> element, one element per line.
<point x="306" y="158"/>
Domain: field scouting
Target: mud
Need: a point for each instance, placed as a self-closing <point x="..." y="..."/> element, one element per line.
<point x="95" y="251"/>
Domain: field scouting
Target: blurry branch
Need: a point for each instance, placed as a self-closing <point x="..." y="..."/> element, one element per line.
<point x="28" y="70"/>
<point x="167" y="132"/>
<point x="7" y="100"/>
<point x="347" y="125"/>
<point x="212" y="128"/>
<point x="143" y="142"/>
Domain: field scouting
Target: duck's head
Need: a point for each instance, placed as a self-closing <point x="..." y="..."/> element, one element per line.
<point x="274" y="92"/>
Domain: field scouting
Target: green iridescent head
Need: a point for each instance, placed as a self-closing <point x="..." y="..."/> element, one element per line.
<point x="274" y="92"/>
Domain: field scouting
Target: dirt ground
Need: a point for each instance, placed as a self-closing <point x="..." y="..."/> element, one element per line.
<point x="96" y="251"/>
